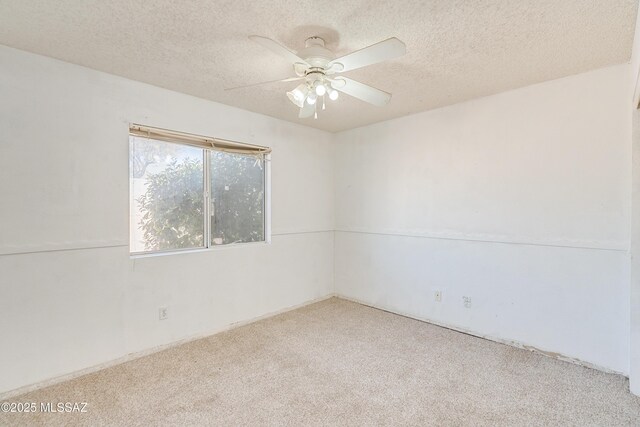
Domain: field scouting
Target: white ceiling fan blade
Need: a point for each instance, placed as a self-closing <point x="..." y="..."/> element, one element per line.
<point x="290" y="79"/>
<point x="307" y="110"/>
<point x="277" y="48"/>
<point x="362" y="91"/>
<point x="387" y="49"/>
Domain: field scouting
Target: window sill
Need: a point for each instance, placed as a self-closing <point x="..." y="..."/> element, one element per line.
<point x="140" y="255"/>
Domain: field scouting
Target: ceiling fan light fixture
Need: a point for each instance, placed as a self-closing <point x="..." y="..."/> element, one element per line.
<point x="320" y="88"/>
<point x="298" y="95"/>
<point x="333" y="94"/>
<point x="311" y="98"/>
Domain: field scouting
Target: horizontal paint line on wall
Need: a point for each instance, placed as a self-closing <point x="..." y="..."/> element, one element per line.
<point x="571" y="244"/>
<point x="59" y="248"/>
<point x="287" y="233"/>
<point x="110" y="245"/>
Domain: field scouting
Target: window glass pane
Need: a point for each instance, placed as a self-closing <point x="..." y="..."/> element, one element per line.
<point x="166" y="195"/>
<point x="237" y="196"/>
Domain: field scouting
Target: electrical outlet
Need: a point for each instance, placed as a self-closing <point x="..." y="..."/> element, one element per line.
<point x="163" y="313"/>
<point x="437" y="295"/>
<point x="466" y="301"/>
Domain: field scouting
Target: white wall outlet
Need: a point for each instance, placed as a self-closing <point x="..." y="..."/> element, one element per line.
<point x="466" y="301"/>
<point x="163" y="313"/>
<point x="437" y="296"/>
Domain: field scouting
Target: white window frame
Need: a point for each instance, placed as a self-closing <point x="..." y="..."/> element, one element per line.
<point x="208" y="145"/>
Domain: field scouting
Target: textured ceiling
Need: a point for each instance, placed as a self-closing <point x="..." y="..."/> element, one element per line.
<point x="457" y="49"/>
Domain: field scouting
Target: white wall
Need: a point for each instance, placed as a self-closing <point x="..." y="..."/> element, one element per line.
<point x="519" y="200"/>
<point x="71" y="297"/>
<point x="634" y="341"/>
<point x="634" y="98"/>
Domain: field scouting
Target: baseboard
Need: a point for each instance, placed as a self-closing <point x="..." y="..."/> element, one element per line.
<point x="511" y="343"/>
<point x="136" y="355"/>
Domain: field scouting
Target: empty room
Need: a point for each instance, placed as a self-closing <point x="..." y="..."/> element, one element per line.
<point x="319" y="213"/>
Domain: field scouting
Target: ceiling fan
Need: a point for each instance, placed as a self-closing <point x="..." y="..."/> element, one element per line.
<point x="318" y="69"/>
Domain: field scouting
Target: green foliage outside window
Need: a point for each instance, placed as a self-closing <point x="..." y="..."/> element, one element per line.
<point x="172" y="205"/>
<point x="237" y="188"/>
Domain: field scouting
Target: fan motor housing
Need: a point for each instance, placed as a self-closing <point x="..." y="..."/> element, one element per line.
<point x="315" y="53"/>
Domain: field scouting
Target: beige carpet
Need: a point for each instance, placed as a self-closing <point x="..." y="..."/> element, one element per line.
<point x="340" y="363"/>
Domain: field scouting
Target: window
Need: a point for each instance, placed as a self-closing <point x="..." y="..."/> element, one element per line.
<point x="191" y="192"/>
<point x="237" y="195"/>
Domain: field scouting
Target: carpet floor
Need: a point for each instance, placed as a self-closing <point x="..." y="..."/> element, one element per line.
<point x="341" y="363"/>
